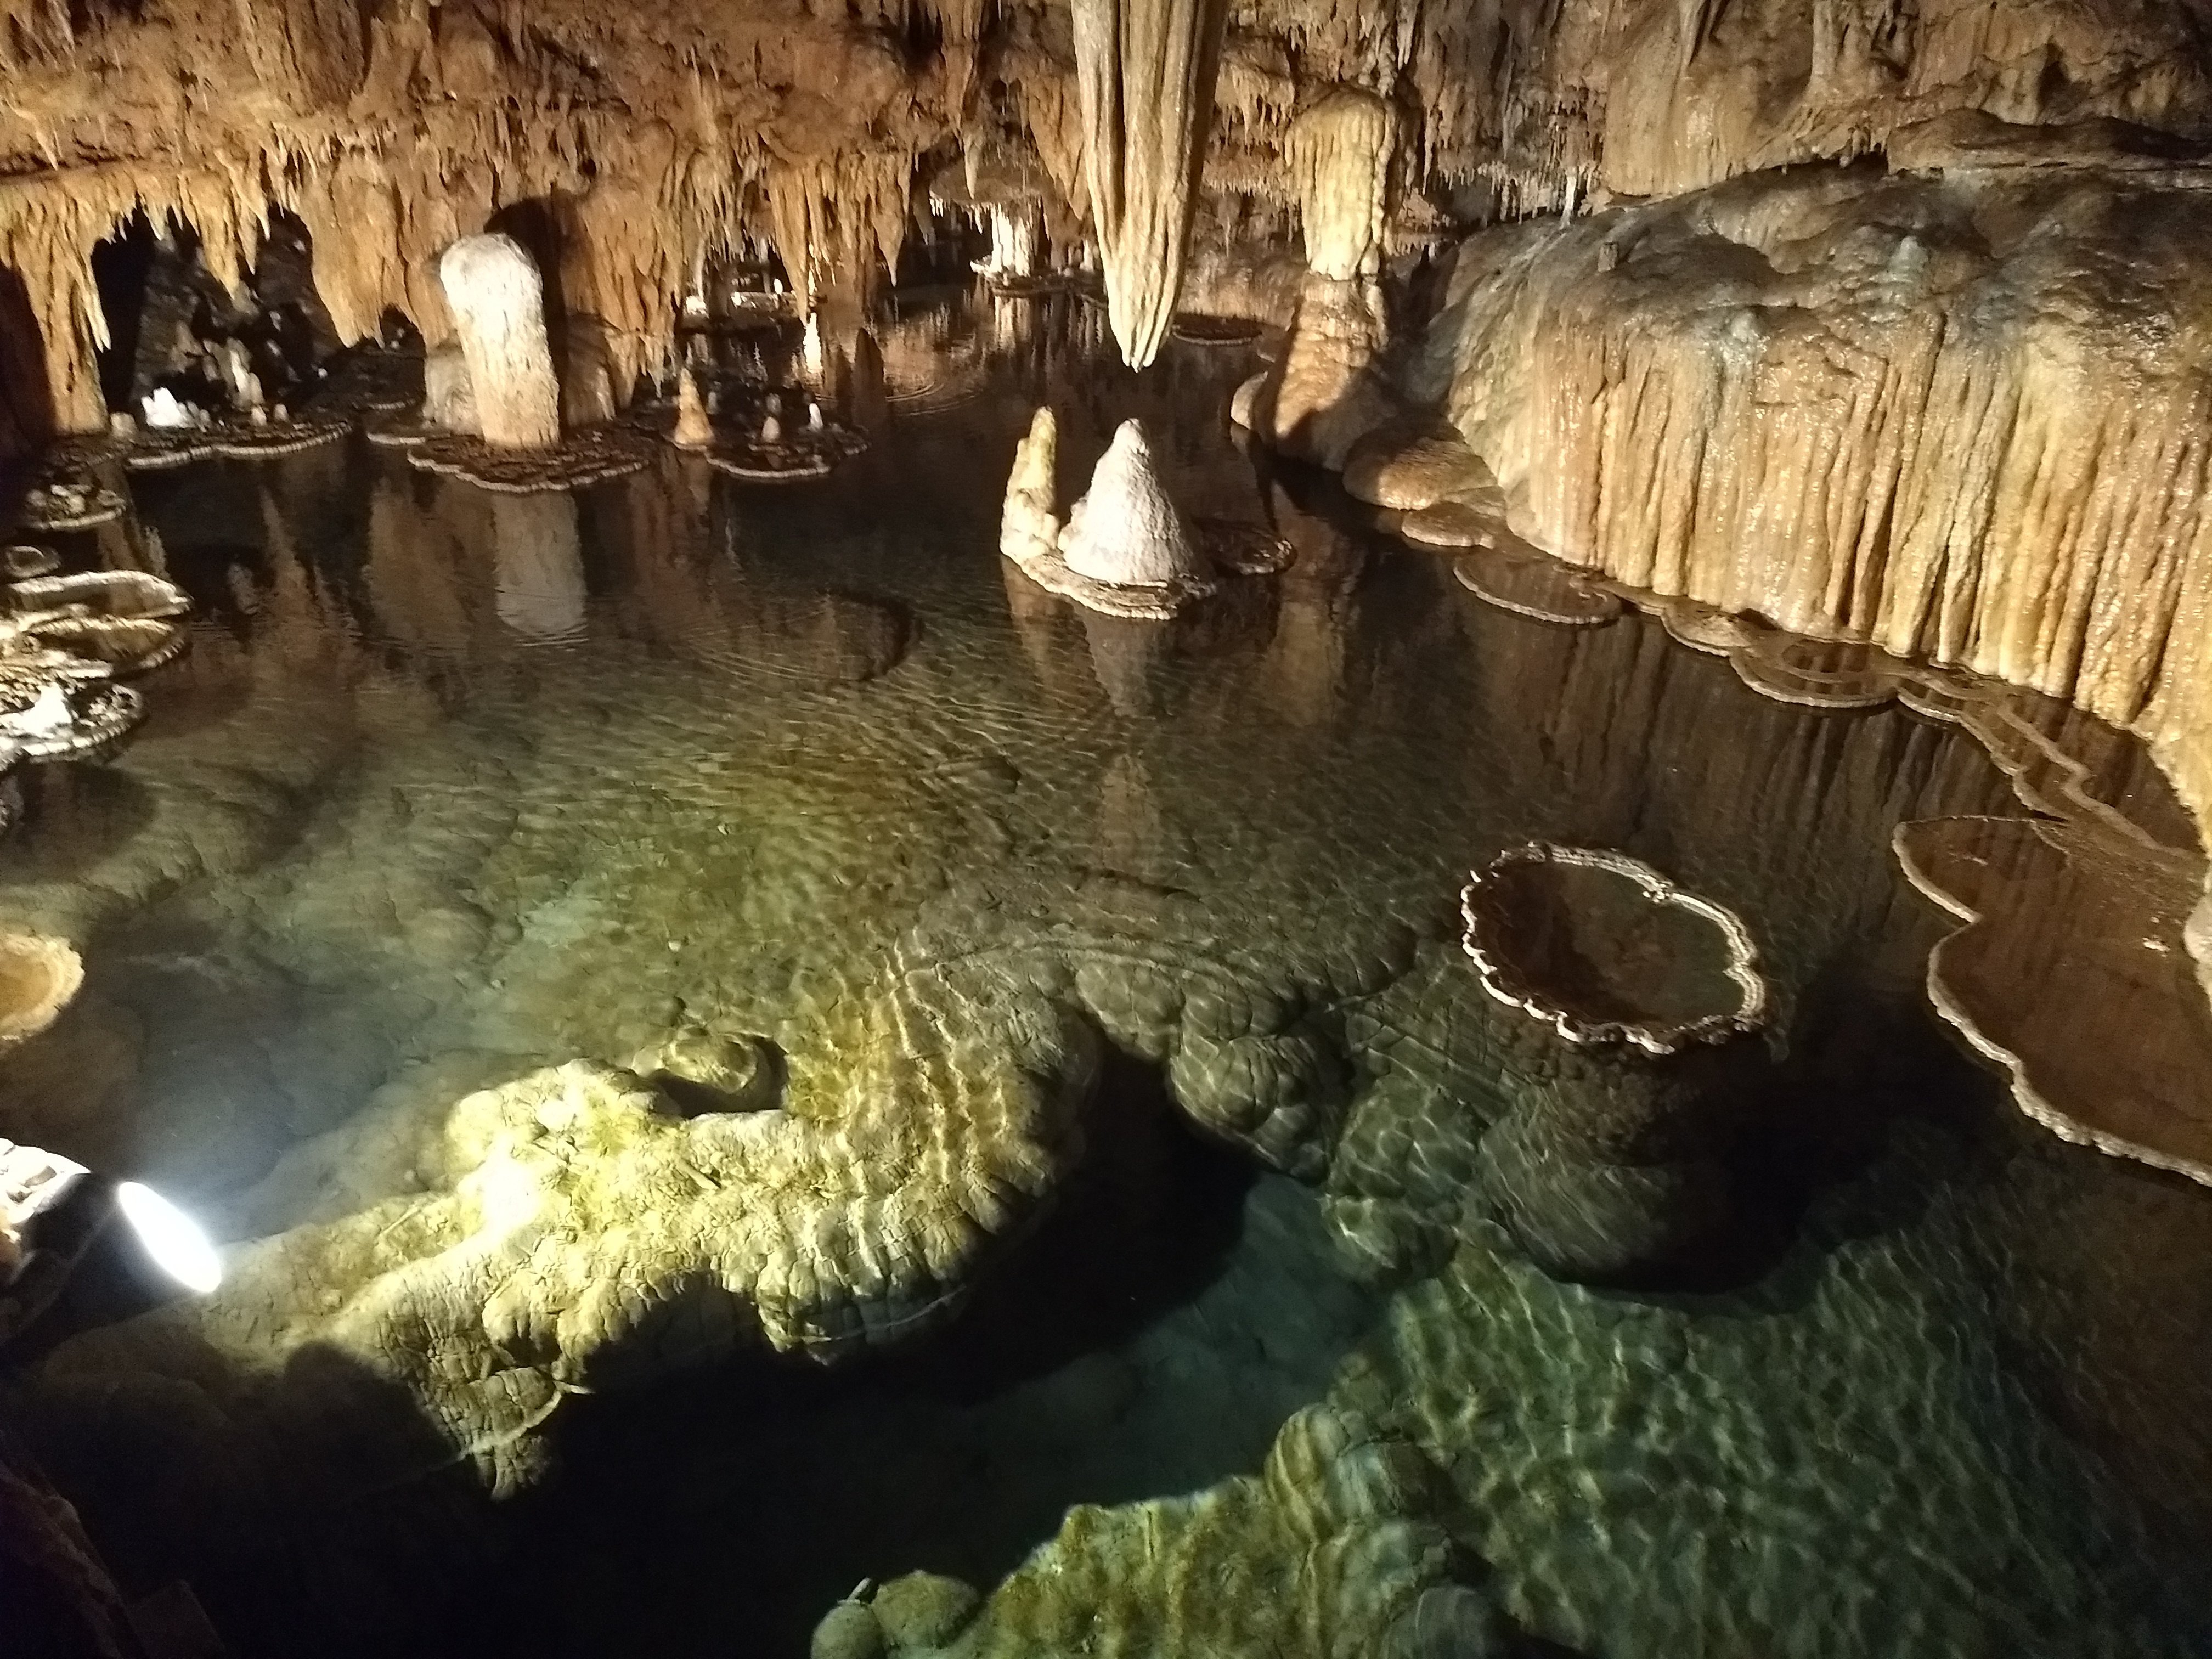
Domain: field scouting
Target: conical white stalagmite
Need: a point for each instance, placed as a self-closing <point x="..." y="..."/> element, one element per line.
<point x="1144" y="70"/>
<point x="1125" y="530"/>
<point x="498" y="304"/>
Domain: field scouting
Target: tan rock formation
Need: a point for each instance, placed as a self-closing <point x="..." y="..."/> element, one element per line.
<point x="693" y="430"/>
<point x="1028" y="527"/>
<point x="1340" y="155"/>
<point x="1902" y="410"/>
<point x="1145" y="71"/>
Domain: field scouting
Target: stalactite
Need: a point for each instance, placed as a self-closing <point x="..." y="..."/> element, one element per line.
<point x="1340" y="155"/>
<point x="831" y="217"/>
<point x="1145" y="71"/>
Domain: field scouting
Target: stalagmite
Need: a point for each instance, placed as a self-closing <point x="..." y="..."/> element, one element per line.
<point x="693" y="430"/>
<point x="1028" y="528"/>
<point x="1145" y="72"/>
<point x="499" y="307"/>
<point x="1325" y="396"/>
<point x="1014" y="239"/>
<point x="1125" y="530"/>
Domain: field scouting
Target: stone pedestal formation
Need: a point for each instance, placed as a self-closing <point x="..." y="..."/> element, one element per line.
<point x="1608" y="1168"/>
<point x="504" y="385"/>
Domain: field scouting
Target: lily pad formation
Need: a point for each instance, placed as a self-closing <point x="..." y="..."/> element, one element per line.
<point x="1604" y="948"/>
<point x="2072" y="973"/>
<point x="1607" y="1166"/>
<point x="65" y="639"/>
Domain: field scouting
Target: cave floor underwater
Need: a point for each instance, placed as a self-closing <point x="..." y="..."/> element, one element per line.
<point x="450" y="788"/>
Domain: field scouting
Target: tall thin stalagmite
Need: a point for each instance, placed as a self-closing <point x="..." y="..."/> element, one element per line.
<point x="1144" y="70"/>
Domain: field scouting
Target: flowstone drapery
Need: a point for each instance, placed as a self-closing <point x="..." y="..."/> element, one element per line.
<point x="1145" y="72"/>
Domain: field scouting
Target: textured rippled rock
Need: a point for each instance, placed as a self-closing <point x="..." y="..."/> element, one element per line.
<point x="1330" y="1550"/>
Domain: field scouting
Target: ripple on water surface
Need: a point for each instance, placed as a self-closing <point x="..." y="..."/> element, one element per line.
<point x="451" y="789"/>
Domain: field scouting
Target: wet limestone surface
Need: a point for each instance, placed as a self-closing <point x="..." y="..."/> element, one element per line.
<point x="420" y="816"/>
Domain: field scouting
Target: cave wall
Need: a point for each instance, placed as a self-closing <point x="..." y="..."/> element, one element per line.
<point x="393" y="126"/>
<point x="1964" y="415"/>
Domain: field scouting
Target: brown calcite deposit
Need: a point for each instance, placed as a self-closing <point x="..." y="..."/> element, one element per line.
<point x="1412" y="465"/>
<point x="1512" y="578"/>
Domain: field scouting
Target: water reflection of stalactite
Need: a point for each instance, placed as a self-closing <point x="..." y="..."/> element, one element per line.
<point x="539" y="561"/>
<point x="1135" y="834"/>
<point x="1306" y="659"/>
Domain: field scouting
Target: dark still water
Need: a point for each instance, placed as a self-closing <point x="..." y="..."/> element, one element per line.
<point x="1081" y="1003"/>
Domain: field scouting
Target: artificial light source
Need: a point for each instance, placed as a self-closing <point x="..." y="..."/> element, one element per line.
<point x="173" y="1238"/>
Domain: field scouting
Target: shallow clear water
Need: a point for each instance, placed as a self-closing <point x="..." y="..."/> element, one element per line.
<point x="451" y="787"/>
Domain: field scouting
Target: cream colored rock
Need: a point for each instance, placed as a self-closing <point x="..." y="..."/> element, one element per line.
<point x="1028" y="527"/>
<point x="693" y="430"/>
<point x="1145" y="72"/>
<point x="498" y="302"/>
<point x="38" y="977"/>
<point x="1339" y="153"/>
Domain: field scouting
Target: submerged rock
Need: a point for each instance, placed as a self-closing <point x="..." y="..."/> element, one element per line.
<point x="38" y="977"/>
<point x="848" y="1631"/>
<point x="924" y="1610"/>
